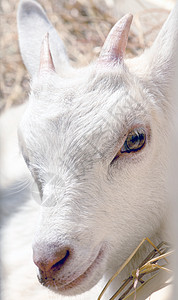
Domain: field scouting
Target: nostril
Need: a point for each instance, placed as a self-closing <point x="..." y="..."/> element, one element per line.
<point x="59" y="263"/>
<point x="50" y="260"/>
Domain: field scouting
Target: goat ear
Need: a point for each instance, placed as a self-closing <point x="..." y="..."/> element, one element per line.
<point x="157" y="64"/>
<point x="114" y="47"/>
<point x="46" y="61"/>
<point x="33" y="24"/>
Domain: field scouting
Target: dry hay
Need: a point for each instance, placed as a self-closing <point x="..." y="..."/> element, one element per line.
<point x="83" y="26"/>
<point x="155" y="261"/>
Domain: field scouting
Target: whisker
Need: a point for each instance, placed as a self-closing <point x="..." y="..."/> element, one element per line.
<point x="21" y="183"/>
<point x="19" y="187"/>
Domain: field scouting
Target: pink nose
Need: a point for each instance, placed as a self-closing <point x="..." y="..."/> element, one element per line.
<point x="50" y="258"/>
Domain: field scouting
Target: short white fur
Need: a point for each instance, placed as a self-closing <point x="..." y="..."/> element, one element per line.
<point x="75" y="123"/>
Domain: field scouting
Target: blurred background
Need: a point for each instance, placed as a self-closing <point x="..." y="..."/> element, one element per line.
<point x="83" y="26"/>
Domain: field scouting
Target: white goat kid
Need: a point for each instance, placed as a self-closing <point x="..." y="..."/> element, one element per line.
<point x="96" y="142"/>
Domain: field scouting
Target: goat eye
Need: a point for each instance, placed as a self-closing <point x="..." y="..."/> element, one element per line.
<point x="134" y="141"/>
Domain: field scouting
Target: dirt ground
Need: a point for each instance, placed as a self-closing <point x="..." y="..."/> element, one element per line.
<point x="83" y="26"/>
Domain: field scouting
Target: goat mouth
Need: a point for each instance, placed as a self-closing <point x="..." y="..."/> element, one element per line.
<point x="86" y="274"/>
<point x="57" y="287"/>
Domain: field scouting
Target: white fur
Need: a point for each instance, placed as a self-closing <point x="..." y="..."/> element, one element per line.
<point x="74" y="124"/>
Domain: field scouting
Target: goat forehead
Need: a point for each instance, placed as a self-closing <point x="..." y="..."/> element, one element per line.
<point x="86" y="115"/>
<point x="87" y="94"/>
<point x="80" y="112"/>
<point x="90" y="87"/>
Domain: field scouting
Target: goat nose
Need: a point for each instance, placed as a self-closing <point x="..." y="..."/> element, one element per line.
<point x="50" y="259"/>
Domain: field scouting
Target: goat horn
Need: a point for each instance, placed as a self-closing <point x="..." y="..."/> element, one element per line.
<point x="114" y="47"/>
<point x="46" y="61"/>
